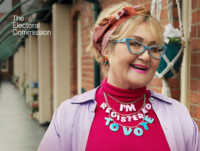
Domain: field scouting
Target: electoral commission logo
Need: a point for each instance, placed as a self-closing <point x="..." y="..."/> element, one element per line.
<point x="27" y="28"/>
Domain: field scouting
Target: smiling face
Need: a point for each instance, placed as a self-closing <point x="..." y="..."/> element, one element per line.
<point x="125" y="68"/>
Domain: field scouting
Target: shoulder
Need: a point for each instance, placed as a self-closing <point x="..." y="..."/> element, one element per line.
<point x="72" y="104"/>
<point x="172" y="111"/>
<point x="170" y="107"/>
<point x="66" y="113"/>
<point x="169" y="102"/>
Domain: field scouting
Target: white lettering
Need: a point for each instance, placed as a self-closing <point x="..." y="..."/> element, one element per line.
<point x="130" y="108"/>
<point x="135" y="117"/>
<point x="140" y="116"/>
<point x="123" y="119"/>
<point x="122" y="106"/>
<point x="144" y="110"/>
<point x="103" y="106"/>
<point x="129" y="118"/>
<point x="148" y="106"/>
<point x="113" y="114"/>
<point x="108" y="110"/>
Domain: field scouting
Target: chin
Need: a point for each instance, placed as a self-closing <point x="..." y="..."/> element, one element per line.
<point x="138" y="84"/>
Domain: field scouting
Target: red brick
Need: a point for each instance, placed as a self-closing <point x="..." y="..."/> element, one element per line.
<point x="148" y="6"/>
<point x="88" y="69"/>
<point x="88" y="75"/>
<point x="193" y="97"/>
<point x="198" y="85"/>
<point x="88" y="63"/>
<point x="193" y="58"/>
<point x="193" y="44"/>
<point x="193" y="72"/>
<point x="164" y="3"/>
<point x="164" y="14"/>
<point x="198" y="71"/>
<point x="198" y="100"/>
<point x="198" y="16"/>
<point x="175" y="94"/>
<point x="193" y="31"/>
<point x="193" y="110"/>
<point x="198" y="112"/>
<point x="158" y="82"/>
<point x="198" y="44"/>
<point x="174" y="3"/>
<point x="174" y="83"/>
<point x="175" y="12"/>
<point x="88" y="80"/>
<point x="198" y="58"/>
<point x="176" y="24"/>
<point x="193" y="17"/>
<point x="198" y="30"/>
<point x="194" y="4"/>
<point x="193" y="85"/>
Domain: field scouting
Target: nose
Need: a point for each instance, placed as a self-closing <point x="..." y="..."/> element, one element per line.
<point x="145" y="56"/>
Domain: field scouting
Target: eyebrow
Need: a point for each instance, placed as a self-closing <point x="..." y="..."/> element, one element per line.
<point x="141" y="39"/>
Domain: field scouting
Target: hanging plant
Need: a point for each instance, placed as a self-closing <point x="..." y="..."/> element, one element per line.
<point x="172" y="35"/>
<point x="171" y="61"/>
<point x="174" y="40"/>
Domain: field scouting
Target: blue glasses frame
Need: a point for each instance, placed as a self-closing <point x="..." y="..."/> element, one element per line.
<point x="126" y="40"/>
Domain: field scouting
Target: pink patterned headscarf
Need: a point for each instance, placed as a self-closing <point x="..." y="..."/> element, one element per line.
<point x="108" y="25"/>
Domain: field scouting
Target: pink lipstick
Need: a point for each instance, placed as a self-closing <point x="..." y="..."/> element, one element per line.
<point x="139" y="68"/>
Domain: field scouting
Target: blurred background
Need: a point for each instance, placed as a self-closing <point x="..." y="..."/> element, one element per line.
<point x="39" y="72"/>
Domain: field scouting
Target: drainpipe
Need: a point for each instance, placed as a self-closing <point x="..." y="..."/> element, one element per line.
<point x="96" y="8"/>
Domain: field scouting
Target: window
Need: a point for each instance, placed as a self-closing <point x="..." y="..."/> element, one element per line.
<point x="4" y="66"/>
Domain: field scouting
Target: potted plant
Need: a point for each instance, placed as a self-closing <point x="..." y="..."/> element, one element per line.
<point x="171" y="61"/>
<point x="34" y="97"/>
<point x="34" y="108"/>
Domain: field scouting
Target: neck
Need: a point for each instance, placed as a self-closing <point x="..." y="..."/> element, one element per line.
<point x="122" y="94"/>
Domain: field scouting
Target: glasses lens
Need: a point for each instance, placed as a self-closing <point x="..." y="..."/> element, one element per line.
<point x="135" y="47"/>
<point x="157" y="51"/>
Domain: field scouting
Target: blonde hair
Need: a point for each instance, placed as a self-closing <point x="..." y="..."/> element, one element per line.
<point x="126" y="27"/>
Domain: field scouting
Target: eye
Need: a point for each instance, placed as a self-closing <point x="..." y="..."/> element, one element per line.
<point x="134" y="44"/>
<point x="154" y="49"/>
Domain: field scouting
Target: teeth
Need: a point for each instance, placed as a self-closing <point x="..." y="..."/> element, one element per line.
<point x="138" y="67"/>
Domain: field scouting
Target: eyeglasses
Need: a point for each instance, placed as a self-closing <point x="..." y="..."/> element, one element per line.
<point x="136" y="47"/>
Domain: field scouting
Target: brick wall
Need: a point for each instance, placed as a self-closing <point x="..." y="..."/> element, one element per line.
<point x="87" y="22"/>
<point x="195" y="63"/>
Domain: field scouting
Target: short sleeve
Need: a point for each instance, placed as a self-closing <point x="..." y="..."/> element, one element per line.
<point x="52" y="140"/>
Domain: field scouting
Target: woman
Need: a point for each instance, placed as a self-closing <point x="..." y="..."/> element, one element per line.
<point x="122" y="114"/>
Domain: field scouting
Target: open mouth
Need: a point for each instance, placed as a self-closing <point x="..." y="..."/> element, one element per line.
<point x="138" y="67"/>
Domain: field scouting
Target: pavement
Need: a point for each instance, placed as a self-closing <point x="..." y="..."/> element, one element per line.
<point x="18" y="132"/>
